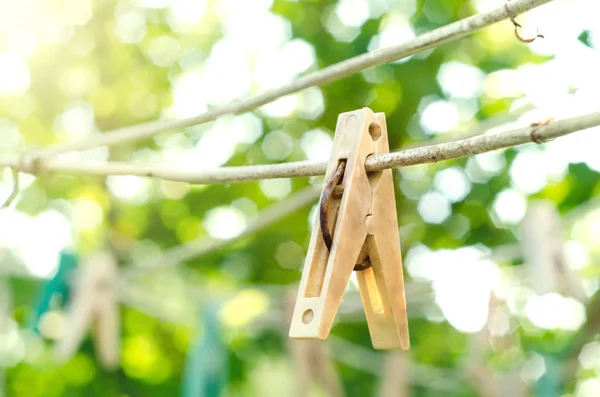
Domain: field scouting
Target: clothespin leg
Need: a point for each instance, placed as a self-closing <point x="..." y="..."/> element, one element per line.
<point x="78" y="322"/>
<point x="321" y="293"/>
<point x="382" y="285"/>
<point x="108" y="328"/>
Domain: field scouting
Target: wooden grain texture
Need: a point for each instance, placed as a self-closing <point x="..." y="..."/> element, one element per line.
<point x="366" y="216"/>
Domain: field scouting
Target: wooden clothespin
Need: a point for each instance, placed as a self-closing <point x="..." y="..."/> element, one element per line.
<point x="312" y="362"/>
<point x="483" y="379"/>
<point x="94" y="301"/>
<point x="365" y="238"/>
<point x="543" y="249"/>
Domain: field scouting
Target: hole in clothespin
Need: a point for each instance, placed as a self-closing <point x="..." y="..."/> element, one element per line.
<point x="308" y="316"/>
<point x="375" y="131"/>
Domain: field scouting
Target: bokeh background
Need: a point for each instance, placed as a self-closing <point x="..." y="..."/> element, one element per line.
<point x="70" y="69"/>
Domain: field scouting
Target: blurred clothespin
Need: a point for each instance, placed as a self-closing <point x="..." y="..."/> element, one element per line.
<point x="486" y="381"/>
<point x="395" y="377"/>
<point x="58" y="287"/>
<point x="356" y="230"/>
<point x="543" y="249"/>
<point x="94" y="302"/>
<point x="312" y="362"/>
<point x="206" y="367"/>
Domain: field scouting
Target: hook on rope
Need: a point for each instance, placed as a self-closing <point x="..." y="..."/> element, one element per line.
<point x="517" y="26"/>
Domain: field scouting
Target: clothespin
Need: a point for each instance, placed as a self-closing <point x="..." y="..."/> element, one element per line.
<point x="365" y="238"/>
<point x="56" y="288"/>
<point x="482" y="378"/>
<point x="395" y="377"/>
<point x="206" y="367"/>
<point x="312" y="362"/>
<point x="94" y="301"/>
<point x="543" y="249"/>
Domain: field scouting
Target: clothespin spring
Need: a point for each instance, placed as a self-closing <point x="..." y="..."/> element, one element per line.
<point x="324" y="206"/>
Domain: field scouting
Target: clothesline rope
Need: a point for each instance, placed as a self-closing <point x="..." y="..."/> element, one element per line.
<point x="324" y="76"/>
<point x="425" y="154"/>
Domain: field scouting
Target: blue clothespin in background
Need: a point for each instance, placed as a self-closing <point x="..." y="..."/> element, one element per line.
<point x="58" y="287"/>
<point x="205" y="373"/>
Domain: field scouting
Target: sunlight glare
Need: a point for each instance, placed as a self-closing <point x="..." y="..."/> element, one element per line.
<point x="352" y="13"/>
<point x="434" y="208"/>
<point x="277" y="145"/>
<point x="224" y="222"/>
<point x="276" y="189"/>
<point x="185" y="14"/>
<point x="77" y="121"/>
<point x="462" y="282"/>
<point x="553" y="311"/>
<point x="316" y="145"/>
<point x="14" y="75"/>
<point x="452" y="183"/>
<point x="22" y="42"/>
<point x="164" y="51"/>
<point x="130" y="26"/>
<point x="439" y="117"/>
<point x="460" y="80"/>
<point x="87" y="215"/>
<point x="394" y="30"/>
<point x="509" y="206"/>
<point x="51" y="231"/>
<point x="129" y="188"/>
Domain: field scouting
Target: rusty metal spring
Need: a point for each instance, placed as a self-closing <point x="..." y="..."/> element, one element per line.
<point x="324" y="212"/>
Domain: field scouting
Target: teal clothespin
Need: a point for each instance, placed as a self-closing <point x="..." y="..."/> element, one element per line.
<point x="205" y="372"/>
<point x="58" y="286"/>
<point x="549" y="385"/>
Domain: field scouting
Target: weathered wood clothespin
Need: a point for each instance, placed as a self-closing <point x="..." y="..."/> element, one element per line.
<point x="543" y="249"/>
<point x="365" y="238"/>
<point x="312" y="362"/>
<point x="94" y="301"/>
